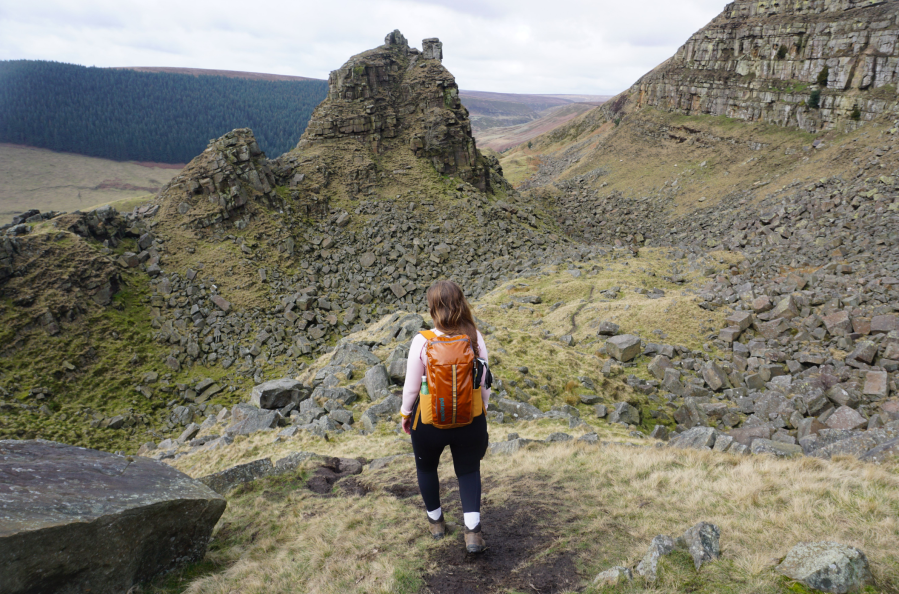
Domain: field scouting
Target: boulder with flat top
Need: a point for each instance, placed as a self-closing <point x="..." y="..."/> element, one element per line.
<point x="80" y="520"/>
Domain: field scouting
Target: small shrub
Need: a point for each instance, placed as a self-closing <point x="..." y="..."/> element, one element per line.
<point x="617" y="121"/>
<point x="814" y="99"/>
<point x="782" y="52"/>
<point x="572" y="400"/>
<point x="823" y="76"/>
<point x="856" y="114"/>
<point x="571" y="386"/>
<point x="530" y="144"/>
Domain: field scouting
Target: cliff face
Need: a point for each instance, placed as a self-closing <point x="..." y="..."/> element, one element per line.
<point x="762" y="61"/>
<point x="395" y="97"/>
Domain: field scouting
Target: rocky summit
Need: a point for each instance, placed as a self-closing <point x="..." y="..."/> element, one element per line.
<point x="389" y="98"/>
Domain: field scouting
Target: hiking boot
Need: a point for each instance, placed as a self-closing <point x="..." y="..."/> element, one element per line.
<point x="438" y="527"/>
<point x="474" y="542"/>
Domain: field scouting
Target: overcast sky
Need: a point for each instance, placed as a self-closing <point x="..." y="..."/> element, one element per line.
<point x="515" y="46"/>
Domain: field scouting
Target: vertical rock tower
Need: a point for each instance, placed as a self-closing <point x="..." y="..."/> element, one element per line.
<point x="387" y="101"/>
<point x="805" y="63"/>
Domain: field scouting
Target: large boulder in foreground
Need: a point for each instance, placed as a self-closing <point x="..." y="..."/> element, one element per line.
<point x="828" y="567"/>
<point x="79" y="520"/>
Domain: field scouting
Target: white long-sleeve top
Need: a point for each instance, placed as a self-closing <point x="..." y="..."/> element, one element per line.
<point x="415" y="368"/>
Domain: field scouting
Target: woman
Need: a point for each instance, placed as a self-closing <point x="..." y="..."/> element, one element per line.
<point x="468" y="444"/>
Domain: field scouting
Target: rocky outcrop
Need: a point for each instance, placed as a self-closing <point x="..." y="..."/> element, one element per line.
<point x="76" y="520"/>
<point x="812" y="64"/>
<point x="827" y="567"/>
<point x="8" y="248"/>
<point x="394" y="98"/>
<point x="218" y="183"/>
<point x="56" y="277"/>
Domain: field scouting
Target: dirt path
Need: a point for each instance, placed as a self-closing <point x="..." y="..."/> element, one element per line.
<point x="516" y="558"/>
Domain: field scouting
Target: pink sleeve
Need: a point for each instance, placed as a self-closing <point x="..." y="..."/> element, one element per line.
<point x="415" y="368"/>
<point x="482" y="350"/>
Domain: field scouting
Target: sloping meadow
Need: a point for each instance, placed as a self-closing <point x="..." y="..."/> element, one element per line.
<point x="583" y="507"/>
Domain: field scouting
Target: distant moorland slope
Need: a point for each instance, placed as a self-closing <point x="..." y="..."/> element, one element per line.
<point x="208" y="72"/>
<point x="47" y="180"/>
<point x="131" y="116"/>
<point x="502" y="138"/>
<point x="495" y="110"/>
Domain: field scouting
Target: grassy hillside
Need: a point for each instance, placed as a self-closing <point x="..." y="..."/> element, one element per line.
<point x="647" y="151"/>
<point x="554" y="516"/>
<point x="48" y="180"/>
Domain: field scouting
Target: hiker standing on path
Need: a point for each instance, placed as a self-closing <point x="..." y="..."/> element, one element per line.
<point x="444" y="404"/>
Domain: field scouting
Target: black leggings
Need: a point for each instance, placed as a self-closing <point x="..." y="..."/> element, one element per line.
<point x="468" y="445"/>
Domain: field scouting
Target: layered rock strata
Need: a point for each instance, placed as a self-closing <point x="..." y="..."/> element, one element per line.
<point x="774" y="61"/>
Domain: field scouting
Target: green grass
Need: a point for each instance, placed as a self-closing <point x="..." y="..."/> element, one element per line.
<point x="111" y="349"/>
<point x="406" y="581"/>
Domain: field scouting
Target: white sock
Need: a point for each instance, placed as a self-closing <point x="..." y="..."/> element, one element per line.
<point x="472" y="519"/>
<point x="435" y="515"/>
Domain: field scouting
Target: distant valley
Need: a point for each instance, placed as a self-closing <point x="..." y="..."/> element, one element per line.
<point x="500" y="121"/>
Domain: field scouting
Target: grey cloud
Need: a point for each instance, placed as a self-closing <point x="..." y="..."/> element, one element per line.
<point x="478" y="8"/>
<point x="528" y="46"/>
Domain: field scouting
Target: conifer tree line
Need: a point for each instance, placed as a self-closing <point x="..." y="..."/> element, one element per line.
<point x="144" y="116"/>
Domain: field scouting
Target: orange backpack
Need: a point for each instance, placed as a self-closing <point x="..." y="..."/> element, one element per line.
<point x="451" y="400"/>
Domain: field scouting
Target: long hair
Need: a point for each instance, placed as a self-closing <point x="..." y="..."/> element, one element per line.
<point x="451" y="312"/>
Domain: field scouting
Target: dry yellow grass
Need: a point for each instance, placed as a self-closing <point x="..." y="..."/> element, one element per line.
<point x="763" y="505"/>
<point x="709" y="157"/>
<point x="47" y="180"/>
<point x="607" y="504"/>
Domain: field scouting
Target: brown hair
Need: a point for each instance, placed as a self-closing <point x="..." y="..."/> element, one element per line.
<point x="451" y="312"/>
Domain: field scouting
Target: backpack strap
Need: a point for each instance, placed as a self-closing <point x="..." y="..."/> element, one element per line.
<point x="428" y="334"/>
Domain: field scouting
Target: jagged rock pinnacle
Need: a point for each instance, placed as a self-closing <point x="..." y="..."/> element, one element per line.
<point x="432" y="49"/>
<point x="396" y="38"/>
<point x="395" y="99"/>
